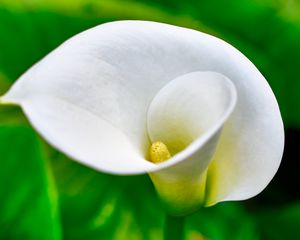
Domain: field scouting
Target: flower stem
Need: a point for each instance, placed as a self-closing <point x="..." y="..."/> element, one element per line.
<point x="174" y="228"/>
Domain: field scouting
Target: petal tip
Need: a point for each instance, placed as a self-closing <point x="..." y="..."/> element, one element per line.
<point x="6" y="101"/>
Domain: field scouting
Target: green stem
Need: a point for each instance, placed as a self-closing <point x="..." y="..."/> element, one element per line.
<point x="174" y="228"/>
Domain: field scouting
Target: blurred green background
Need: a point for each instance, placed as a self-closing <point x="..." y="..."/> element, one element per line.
<point x="44" y="195"/>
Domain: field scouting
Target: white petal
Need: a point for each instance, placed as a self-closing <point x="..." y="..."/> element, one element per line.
<point x="187" y="115"/>
<point x="113" y="72"/>
<point x="80" y="133"/>
<point x="188" y="107"/>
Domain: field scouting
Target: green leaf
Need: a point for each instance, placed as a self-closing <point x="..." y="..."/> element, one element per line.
<point x="225" y="221"/>
<point x="278" y="224"/>
<point x="28" y="35"/>
<point x="28" y="203"/>
<point x="96" y="205"/>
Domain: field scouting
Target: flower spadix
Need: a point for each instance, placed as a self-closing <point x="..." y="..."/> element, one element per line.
<point x="104" y="96"/>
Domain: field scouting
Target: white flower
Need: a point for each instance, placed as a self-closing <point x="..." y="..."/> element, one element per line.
<point x="104" y="95"/>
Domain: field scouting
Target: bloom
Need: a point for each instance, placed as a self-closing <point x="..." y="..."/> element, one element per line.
<point x="104" y="95"/>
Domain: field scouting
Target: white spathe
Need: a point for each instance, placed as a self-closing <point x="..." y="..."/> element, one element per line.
<point x="188" y="115"/>
<point x="102" y="94"/>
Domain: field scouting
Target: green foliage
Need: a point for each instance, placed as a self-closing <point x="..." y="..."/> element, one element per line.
<point x="28" y="203"/>
<point x="96" y="205"/>
<point x="280" y="223"/>
<point x="224" y="221"/>
<point x="45" y="195"/>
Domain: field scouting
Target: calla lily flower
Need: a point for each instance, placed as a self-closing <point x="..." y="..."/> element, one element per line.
<point x="106" y="94"/>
